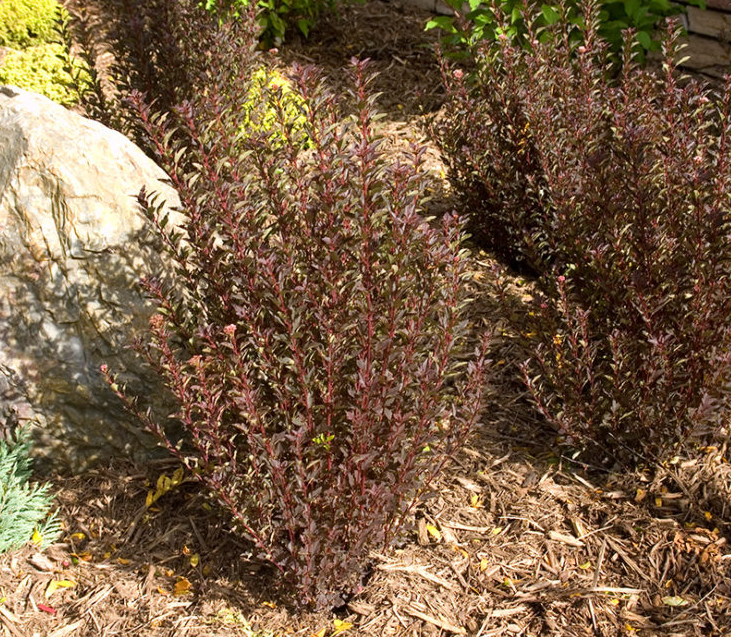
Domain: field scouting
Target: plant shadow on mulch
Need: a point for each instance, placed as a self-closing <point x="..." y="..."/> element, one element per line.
<point x="520" y="539"/>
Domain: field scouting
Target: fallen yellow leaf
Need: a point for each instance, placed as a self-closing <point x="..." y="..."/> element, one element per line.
<point x="269" y="604"/>
<point x="434" y="532"/>
<point x="477" y="501"/>
<point x="674" y="601"/>
<point x="319" y="633"/>
<point x="460" y="550"/>
<point x="484" y="564"/>
<point x="54" y="585"/>
<point x="585" y="565"/>
<point x="341" y="626"/>
<point x="182" y="587"/>
<point x="78" y="536"/>
<point x="123" y="561"/>
<point x="194" y="560"/>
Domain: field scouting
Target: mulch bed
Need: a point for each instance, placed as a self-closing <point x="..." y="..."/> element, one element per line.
<point x="520" y="539"/>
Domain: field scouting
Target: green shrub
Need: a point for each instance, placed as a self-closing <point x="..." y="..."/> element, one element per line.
<point x="272" y="90"/>
<point x="487" y="20"/>
<point x="25" y="22"/>
<point x="24" y="508"/>
<point x="276" y="17"/>
<point x="617" y="191"/>
<point x="41" y="69"/>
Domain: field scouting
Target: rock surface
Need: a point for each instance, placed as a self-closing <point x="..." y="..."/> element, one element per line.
<point x="73" y="245"/>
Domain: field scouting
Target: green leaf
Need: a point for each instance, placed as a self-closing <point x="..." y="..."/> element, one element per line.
<point x="550" y="15"/>
<point x="444" y="22"/>
<point x="631" y="7"/>
<point x="304" y="26"/>
<point x="644" y="39"/>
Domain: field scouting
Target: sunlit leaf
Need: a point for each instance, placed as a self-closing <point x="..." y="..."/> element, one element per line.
<point x="182" y="587"/>
<point x="341" y="626"/>
<point x="434" y="532"/>
<point x="54" y="585"/>
<point x="674" y="600"/>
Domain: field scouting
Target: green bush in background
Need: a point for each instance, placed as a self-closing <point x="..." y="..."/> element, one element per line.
<point x="480" y="20"/>
<point x="39" y="69"/>
<point x="31" y="59"/>
<point x="276" y="17"/>
<point x="270" y="92"/>
<point x="25" y="22"/>
<point x="25" y="509"/>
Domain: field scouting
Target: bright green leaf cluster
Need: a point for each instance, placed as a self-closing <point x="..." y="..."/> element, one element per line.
<point x="25" y="22"/>
<point x="24" y="508"/>
<point x="41" y="70"/>
<point x="276" y="16"/>
<point x="482" y="21"/>
<point x="262" y="114"/>
<point x="32" y="60"/>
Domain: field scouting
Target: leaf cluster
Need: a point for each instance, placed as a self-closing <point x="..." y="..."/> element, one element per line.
<point x="616" y="193"/>
<point x="26" y="23"/>
<point x="314" y="334"/>
<point x="32" y="59"/>
<point x="25" y="508"/>
<point x="275" y="17"/>
<point x="476" y="21"/>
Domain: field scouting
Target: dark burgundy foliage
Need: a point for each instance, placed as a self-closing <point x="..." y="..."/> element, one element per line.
<point x="618" y="192"/>
<point x="314" y="335"/>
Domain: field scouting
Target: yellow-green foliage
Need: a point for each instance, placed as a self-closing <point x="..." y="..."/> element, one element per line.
<point x="39" y="69"/>
<point x="25" y="22"/>
<point x="31" y="59"/>
<point x="260" y="112"/>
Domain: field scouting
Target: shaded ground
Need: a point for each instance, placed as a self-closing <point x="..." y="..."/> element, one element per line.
<point x="520" y="540"/>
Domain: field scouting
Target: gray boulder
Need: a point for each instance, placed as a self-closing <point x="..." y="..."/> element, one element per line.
<point x="73" y="246"/>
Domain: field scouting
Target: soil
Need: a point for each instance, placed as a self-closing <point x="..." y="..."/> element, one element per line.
<point x="520" y="540"/>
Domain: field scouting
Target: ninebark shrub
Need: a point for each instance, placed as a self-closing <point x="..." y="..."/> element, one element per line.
<point x="616" y="189"/>
<point x="314" y="336"/>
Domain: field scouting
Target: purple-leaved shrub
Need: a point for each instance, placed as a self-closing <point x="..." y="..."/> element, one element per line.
<point x="616" y="188"/>
<point x="314" y="336"/>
